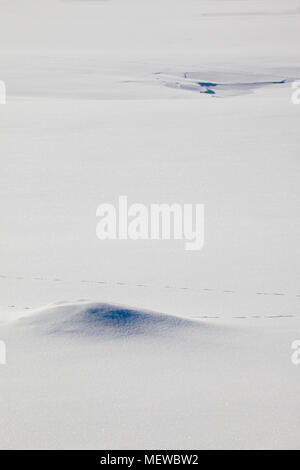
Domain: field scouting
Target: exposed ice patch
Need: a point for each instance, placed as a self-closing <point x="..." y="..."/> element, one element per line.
<point x="218" y="83"/>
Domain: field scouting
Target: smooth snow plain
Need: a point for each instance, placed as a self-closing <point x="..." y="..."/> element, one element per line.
<point x="126" y="344"/>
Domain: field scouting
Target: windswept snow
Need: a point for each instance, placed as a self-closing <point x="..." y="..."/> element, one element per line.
<point x="165" y="101"/>
<point x="74" y="380"/>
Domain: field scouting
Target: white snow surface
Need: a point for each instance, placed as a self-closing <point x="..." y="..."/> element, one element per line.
<point x="140" y="344"/>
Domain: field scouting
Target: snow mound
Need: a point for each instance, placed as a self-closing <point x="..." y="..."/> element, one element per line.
<point x="102" y="319"/>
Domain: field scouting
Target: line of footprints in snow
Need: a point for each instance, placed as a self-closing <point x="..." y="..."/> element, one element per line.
<point x="83" y="281"/>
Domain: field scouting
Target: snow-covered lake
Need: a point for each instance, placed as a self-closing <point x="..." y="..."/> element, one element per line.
<point x="141" y="344"/>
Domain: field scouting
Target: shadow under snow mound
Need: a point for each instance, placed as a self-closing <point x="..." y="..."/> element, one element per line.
<point x="101" y="319"/>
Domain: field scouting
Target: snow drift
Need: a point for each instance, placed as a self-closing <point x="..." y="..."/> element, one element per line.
<point x="103" y="319"/>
